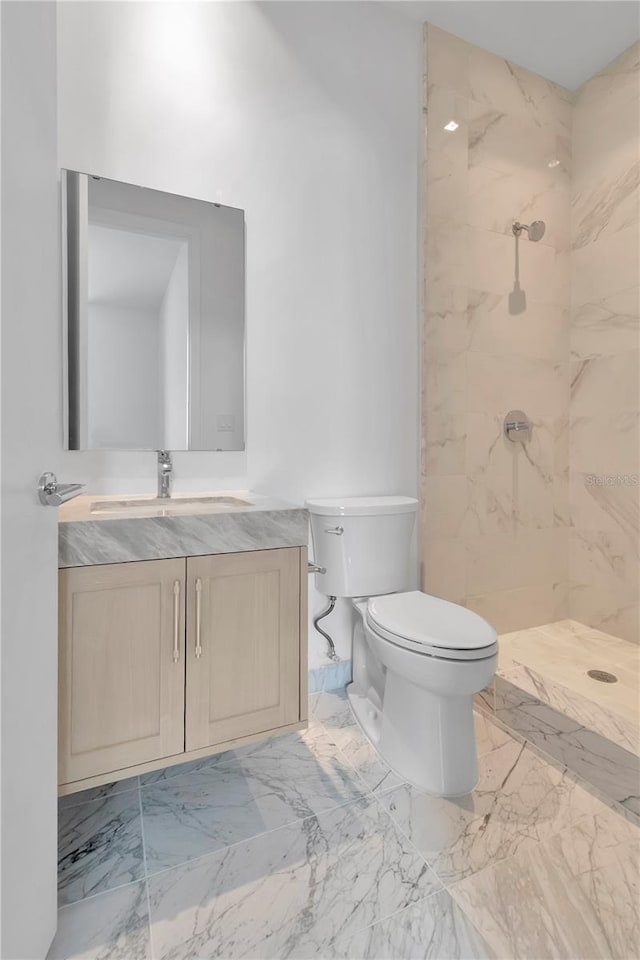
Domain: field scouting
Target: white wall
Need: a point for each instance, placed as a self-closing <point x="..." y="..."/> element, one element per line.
<point x="123" y="372"/>
<point x="306" y="115"/>
<point x="30" y="443"/>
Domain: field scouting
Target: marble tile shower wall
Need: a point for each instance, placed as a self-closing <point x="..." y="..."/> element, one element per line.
<point x="605" y="330"/>
<point x="495" y="516"/>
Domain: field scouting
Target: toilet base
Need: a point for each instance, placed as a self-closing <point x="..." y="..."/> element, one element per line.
<point x="427" y="739"/>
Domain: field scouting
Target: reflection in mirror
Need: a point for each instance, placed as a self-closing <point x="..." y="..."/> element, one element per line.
<point x="155" y="328"/>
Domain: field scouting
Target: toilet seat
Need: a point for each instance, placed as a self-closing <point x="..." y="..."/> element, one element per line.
<point x="431" y="626"/>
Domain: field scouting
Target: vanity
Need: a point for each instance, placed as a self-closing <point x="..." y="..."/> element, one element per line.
<point x="182" y="630"/>
<point x="183" y="623"/>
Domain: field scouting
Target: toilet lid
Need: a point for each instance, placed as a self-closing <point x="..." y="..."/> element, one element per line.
<point x="430" y="621"/>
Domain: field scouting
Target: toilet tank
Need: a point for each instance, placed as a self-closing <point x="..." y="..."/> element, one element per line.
<point x="364" y="544"/>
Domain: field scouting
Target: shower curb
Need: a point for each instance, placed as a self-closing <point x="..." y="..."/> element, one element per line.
<point x="609" y="768"/>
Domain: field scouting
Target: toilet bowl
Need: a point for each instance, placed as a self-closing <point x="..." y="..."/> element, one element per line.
<point x="417" y="659"/>
<point x="425" y="729"/>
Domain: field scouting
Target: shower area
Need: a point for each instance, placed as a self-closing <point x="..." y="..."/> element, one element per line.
<point x="530" y="391"/>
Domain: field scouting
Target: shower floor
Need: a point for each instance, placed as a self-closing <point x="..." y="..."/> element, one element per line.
<point x="565" y="651"/>
<point x="542" y="692"/>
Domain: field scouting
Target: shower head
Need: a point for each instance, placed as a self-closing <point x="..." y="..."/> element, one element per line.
<point x="535" y="230"/>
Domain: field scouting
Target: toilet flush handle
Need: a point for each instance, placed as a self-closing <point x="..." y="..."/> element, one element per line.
<point x="336" y="531"/>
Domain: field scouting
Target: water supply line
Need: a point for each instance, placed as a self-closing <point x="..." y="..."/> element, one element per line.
<point x="320" y="616"/>
<point x="314" y="568"/>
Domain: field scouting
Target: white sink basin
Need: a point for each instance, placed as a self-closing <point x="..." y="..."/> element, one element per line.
<point x="169" y="505"/>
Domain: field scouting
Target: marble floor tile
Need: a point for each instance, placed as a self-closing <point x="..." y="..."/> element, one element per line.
<point x="433" y="929"/>
<point x="203" y="763"/>
<point x="111" y="926"/>
<point x="290" y="892"/>
<point x="273" y="783"/>
<point x="98" y="793"/>
<point x="580" y="888"/>
<point x="609" y="767"/>
<point x="489" y="735"/>
<point x="332" y="710"/>
<point x="99" y="846"/>
<point x="518" y="802"/>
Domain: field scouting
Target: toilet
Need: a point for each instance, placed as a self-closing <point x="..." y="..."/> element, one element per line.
<point x="417" y="660"/>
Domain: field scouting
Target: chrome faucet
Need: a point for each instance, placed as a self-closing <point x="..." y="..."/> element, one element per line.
<point x="165" y="468"/>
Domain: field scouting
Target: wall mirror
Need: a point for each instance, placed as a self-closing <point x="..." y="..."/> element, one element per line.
<point x="154" y="306"/>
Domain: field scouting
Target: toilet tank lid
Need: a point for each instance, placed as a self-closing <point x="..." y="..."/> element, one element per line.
<point x="361" y="506"/>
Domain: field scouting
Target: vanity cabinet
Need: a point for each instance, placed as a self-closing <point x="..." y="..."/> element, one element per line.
<point x="121" y="682"/>
<point x="162" y="661"/>
<point x="243" y="645"/>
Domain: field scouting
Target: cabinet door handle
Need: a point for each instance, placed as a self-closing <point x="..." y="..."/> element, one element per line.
<point x="176" y="621"/>
<point x="198" y="618"/>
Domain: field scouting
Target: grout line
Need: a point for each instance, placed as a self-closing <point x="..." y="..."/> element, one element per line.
<point x="370" y="791"/>
<point x="118" y="886"/>
<point x="412" y="845"/>
<point x="374" y="796"/>
<point x="256" y="836"/>
<point x="146" y="872"/>
<point x="107" y="796"/>
<point x="100" y="893"/>
<point x="367" y="794"/>
<point x="482" y="934"/>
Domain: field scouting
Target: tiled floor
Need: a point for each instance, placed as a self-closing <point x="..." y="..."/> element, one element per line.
<point x="309" y="846"/>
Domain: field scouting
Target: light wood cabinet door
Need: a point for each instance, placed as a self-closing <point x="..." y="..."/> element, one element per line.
<point x="243" y="644"/>
<point x="121" y="664"/>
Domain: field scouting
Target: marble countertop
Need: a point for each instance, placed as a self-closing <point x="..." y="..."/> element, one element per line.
<point x="152" y="532"/>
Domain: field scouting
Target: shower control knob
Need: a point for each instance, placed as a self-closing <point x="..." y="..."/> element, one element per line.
<point x="517" y="426"/>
